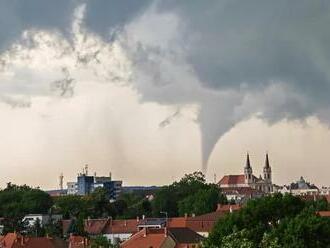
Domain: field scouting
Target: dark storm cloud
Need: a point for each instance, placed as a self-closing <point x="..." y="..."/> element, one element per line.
<point x="256" y="41"/>
<point x="17" y="16"/>
<point x="103" y="15"/>
<point x="271" y="58"/>
<point x="248" y="47"/>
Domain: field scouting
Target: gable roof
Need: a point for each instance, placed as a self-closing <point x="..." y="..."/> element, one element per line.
<point x="147" y="238"/>
<point x="15" y="240"/>
<point x="324" y="213"/>
<point x="184" y="235"/>
<point x="121" y="226"/>
<point x="95" y="226"/>
<point x="232" y="179"/>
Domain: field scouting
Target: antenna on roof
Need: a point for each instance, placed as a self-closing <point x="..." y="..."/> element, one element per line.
<point x="61" y="181"/>
<point x="86" y="169"/>
<point x="215" y="178"/>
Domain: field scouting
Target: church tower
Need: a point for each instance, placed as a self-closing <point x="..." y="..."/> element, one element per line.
<point x="268" y="175"/>
<point x="248" y="171"/>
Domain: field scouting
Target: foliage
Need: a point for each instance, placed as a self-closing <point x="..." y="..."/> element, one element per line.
<point x="274" y="221"/>
<point x="100" y="242"/>
<point x="70" y="206"/>
<point x="190" y="195"/>
<point x="204" y="201"/>
<point x="18" y="201"/>
<point x="237" y="239"/>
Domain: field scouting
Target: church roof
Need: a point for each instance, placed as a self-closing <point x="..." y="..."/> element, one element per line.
<point x="248" y="164"/>
<point x="267" y="161"/>
<point x="232" y="179"/>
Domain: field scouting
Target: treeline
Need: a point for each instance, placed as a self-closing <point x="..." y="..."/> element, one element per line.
<point x="190" y="195"/>
<point x="277" y="221"/>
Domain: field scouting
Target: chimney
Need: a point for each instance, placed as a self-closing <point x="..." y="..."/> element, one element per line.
<point x="143" y="217"/>
<point x="230" y="209"/>
<point x="137" y="218"/>
<point x="193" y="215"/>
<point x="186" y="216"/>
<point x="165" y="232"/>
<point x="219" y="207"/>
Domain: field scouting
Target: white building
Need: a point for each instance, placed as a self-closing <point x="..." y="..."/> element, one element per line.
<point x="31" y="219"/>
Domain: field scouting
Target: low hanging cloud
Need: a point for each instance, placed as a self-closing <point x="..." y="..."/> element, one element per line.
<point x="232" y="59"/>
<point x="268" y="59"/>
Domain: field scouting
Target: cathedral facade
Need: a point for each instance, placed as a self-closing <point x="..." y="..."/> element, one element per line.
<point x="248" y="182"/>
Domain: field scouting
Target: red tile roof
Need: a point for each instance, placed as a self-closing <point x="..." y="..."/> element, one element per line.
<point x="324" y="213"/>
<point x="241" y="191"/>
<point x="78" y="242"/>
<point x="122" y="226"/>
<point x="147" y="238"/>
<point x="95" y="226"/>
<point x="14" y="240"/>
<point x="228" y="207"/>
<point x="232" y="179"/>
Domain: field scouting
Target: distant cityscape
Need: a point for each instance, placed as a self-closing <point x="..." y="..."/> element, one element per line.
<point x="238" y="188"/>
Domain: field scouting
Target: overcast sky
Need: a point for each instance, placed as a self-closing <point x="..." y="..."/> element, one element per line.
<point x="150" y="90"/>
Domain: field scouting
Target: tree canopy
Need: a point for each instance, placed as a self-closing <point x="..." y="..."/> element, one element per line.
<point x="274" y="221"/>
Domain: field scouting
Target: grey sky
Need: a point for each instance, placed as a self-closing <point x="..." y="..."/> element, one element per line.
<point x="219" y="62"/>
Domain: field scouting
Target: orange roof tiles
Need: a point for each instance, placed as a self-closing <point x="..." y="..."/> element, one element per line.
<point x="77" y="242"/>
<point x="146" y="238"/>
<point x="232" y="179"/>
<point x="14" y="240"/>
<point x="324" y="213"/>
<point x="95" y="226"/>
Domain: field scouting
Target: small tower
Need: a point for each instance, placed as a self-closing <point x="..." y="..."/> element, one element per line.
<point x="248" y="171"/>
<point x="268" y="175"/>
<point x="61" y="182"/>
<point x="267" y="170"/>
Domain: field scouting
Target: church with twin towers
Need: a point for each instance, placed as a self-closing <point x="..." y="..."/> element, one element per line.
<point x="248" y="182"/>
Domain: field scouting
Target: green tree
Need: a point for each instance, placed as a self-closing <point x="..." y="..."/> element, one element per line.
<point x="185" y="191"/>
<point x="204" y="201"/>
<point x="18" y="201"/>
<point x="237" y="239"/>
<point x="305" y="230"/>
<point x="100" y="242"/>
<point x="258" y="216"/>
<point x="71" y="206"/>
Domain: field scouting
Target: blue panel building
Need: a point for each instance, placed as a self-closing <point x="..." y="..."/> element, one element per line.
<point x="85" y="184"/>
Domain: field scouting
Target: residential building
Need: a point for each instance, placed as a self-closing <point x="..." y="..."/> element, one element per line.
<point x="118" y="231"/>
<point x="44" y="219"/>
<point x="15" y="240"/>
<point x="164" y="238"/>
<point x="300" y="188"/>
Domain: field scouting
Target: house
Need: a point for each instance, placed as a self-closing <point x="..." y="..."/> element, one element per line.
<point x="118" y="231"/>
<point x="15" y="240"/>
<point x="324" y="213"/>
<point x="240" y="187"/>
<point x="300" y="188"/>
<point x="31" y="219"/>
<point x="164" y="238"/>
<point x="78" y="242"/>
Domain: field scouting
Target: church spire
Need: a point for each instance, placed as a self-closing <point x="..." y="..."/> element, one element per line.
<point x="247" y="165"/>
<point x="267" y="161"/>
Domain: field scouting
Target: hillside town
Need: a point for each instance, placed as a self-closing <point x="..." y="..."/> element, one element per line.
<point x="131" y="217"/>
